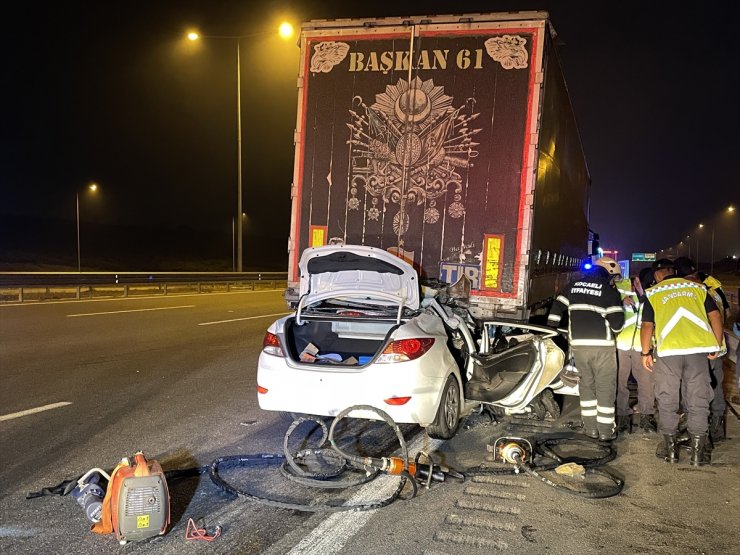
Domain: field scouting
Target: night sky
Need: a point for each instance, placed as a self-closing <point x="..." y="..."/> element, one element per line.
<point x="110" y="92"/>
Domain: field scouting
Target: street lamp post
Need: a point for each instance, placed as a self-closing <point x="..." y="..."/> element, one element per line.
<point x="730" y="210"/>
<point x="93" y="187"/>
<point x="285" y="31"/>
<point x="701" y="226"/>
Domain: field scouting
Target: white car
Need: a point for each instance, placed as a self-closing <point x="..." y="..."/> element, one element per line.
<point x="361" y="335"/>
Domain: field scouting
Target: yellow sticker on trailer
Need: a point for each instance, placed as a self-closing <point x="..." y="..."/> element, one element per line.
<point x="142" y="521"/>
<point x="317" y="235"/>
<point x="493" y="245"/>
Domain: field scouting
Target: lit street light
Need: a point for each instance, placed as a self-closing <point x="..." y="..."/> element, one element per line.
<point x="730" y="211"/>
<point x="93" y="188"/>
<point x="285" y="31"/>
<point x="715" y="221"/>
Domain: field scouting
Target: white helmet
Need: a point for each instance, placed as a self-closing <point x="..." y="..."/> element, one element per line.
<point x="610" y="265"/>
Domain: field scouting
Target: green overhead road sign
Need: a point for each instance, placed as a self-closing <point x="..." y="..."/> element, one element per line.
<point x="643" y="257"/>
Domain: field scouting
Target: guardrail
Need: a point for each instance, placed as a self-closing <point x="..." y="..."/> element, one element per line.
<point x="44" y="286"/>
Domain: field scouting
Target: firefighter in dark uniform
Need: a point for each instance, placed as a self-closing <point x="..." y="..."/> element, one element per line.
<point x="595" y="316"/>
<point x="688" y="330"/>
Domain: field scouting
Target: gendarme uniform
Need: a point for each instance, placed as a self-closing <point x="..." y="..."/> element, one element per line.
<point x="624" y="286"/>
<point x="595" y="316"/>
<point x="630" y="362"/>
<point x="678" y="308"/>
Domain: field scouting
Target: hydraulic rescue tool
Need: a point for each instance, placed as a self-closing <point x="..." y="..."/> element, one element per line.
<point x="89" y="494"/>
<point x="513" y="450"/>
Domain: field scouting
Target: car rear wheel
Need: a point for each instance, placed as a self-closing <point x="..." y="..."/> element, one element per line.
<point x="448" y="413"/>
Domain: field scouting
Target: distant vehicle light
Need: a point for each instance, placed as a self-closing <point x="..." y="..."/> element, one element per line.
<point x="271" y="345"/>
<point x="404" y="350"/>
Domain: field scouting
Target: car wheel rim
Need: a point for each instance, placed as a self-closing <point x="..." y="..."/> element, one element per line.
<point x="451" y="407"/>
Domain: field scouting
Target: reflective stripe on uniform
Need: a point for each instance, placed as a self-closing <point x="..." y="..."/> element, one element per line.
<point x="676" y="318"/>
<point x="563" y="300"/>
<point x="593" y="342"/>
<point x="591" y="307"/>
<point x="690" y="351"/>
<point x="590" y="412"/>
<point x="605" y="419"/>
<point x="589" y="403"/>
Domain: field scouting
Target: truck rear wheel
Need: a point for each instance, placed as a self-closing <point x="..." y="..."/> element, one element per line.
<point x="448" y="413"/>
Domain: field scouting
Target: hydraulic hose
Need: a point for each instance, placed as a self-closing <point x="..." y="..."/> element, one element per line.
<point x="345" y="461"/>
<point x="543" y="447"/>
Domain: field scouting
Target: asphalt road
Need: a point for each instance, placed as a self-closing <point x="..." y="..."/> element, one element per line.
<point x="175" y="377"/>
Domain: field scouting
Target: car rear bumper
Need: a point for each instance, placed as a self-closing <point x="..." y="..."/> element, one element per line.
<point x="328" y="392"/>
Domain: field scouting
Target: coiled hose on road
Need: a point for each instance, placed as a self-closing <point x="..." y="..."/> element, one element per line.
<point x="370" y="466"/>
<point x="590" y="464"/>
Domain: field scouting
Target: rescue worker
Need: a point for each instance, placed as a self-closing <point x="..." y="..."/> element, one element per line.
<point x="685" y="268"/>
<point x="713" y="284"/>
<point x="688" y="331"/>
<point x="628" y="357"/>
<point x="594" y="310"/>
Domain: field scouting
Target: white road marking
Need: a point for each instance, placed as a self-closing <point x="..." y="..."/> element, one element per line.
<point x="34" y="411"/>
<point x="132" y="310"/>
<point x="247" y="318"/>
<point x="330" y="537"/>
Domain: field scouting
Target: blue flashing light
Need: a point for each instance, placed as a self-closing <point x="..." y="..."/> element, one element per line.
<point x="588" y="266"/>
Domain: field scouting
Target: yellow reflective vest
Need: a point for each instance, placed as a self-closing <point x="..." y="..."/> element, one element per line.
<point x="624" y="286"/>
<point x="629" y="338"/>
<point x="681" y="323"/>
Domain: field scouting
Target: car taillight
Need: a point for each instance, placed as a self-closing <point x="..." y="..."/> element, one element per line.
<point x="404" y="350"/>
<point x="271" y="345"/>
<point x="397" y="401"/>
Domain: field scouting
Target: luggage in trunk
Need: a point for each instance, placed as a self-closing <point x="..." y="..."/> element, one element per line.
<point x="336" y="341"/>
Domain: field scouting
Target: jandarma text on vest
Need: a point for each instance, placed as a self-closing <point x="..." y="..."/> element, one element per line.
<point x="675" y="294"/>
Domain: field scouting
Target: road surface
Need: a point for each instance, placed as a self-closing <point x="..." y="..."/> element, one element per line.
<point x="85" y="383"/>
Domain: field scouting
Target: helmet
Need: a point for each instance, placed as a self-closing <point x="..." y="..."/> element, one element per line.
<point x="610" y="265"/>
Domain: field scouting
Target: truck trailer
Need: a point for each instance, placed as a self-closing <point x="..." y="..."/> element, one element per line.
<point x="449" y="141"/>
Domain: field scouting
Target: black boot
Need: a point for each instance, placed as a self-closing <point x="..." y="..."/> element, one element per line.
<point x="624" y="424"/>
<point x="683" y="439"/>
<point x="717" y="428"/>
<point x="589" y="431"/>
<point x="668" y="449"/>
<point x="699" y="450"/>
<point x="648" y="423"/>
